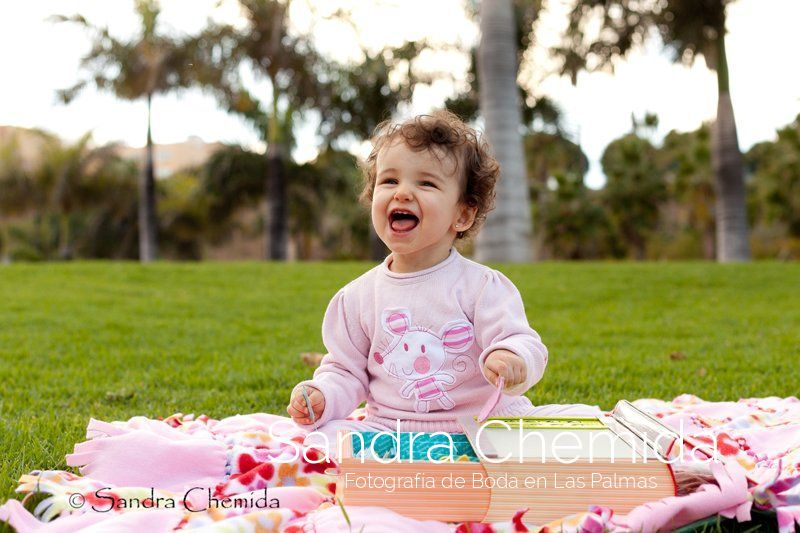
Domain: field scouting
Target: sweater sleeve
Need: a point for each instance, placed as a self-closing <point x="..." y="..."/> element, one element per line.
<point x="342" y="375"/>
<point x="500" y="323"/>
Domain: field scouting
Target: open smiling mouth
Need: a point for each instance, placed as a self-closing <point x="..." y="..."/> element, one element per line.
<point x="402" y="221"/>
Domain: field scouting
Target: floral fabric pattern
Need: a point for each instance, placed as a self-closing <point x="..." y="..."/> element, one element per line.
<point x="182" y="463"/>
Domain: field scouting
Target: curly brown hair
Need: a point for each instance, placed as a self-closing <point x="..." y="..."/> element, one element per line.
<point x="442" y="131"/>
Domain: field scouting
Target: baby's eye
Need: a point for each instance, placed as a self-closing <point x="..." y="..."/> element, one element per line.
<point x="429" y="184"/>
<point x="390" y="181"/>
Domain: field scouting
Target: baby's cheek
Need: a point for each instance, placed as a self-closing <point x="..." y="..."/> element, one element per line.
<point x="377" y="219"/>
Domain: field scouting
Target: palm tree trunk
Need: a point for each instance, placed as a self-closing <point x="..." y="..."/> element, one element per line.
<point x="276" y="203"/>
<point x="731" y="208"/>
<point x="148" y="243"/>
<point x="506" y="234"/>
<point x="64" y="246"/>
<point x="276" y="215"/>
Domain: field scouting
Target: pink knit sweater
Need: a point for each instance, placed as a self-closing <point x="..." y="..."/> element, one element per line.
<point x="413" y="345"/>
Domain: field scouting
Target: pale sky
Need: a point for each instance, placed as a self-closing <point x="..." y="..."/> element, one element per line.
<point x="38" y="57"/>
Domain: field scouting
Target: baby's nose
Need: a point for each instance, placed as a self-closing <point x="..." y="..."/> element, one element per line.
<point x="402" y="193"/>
<point x="422" y="364"/>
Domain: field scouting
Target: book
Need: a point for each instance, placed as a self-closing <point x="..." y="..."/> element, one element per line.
<point x="554" y="466"/>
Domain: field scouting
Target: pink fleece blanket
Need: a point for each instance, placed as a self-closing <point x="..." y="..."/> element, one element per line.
<point x="251" y="473"/>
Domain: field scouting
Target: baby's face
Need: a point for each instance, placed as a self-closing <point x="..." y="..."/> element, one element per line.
<point x="415" y="206"/>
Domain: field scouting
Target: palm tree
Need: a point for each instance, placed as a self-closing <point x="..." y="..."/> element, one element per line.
<point x="17" y="192"/>
<point x="688" y="28"/>
<point x="507" y="231"/>
<point x="67" y="183"/>
<point x="109" y="227"/>
<point x="323" y="218"/>
<point x="350" y="99"/>
<point x="776" y="180"/>
<point x="326" y="222"/>
<point x="552" y="156"/>
<point x="541" y="117"/>
<point x="359" y="97"/>
<point x="146" y="66"/>
<point x="686" y="158"/>
<point x="634" y="191"/>
<point x="571" y="221"/>
<point x="70" y="174"/>
<point x="287" y="63"/>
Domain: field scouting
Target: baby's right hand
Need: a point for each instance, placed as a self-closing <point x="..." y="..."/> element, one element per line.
<point x="297" y="405"/>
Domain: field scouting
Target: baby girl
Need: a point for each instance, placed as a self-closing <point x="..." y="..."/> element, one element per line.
<point x="425" y="336"/>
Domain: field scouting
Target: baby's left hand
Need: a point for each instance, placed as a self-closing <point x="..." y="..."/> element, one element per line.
<point x="506" y="364"/>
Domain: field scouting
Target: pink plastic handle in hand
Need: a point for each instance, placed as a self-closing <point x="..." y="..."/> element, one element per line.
<point x="493" y="400"/>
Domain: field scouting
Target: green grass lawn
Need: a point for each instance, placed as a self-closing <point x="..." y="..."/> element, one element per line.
<point x="114" y="340"/>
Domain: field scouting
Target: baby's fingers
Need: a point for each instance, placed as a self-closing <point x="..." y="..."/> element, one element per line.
<point x="513" y="375"/>
<point x="491" y="375"/>
<point x="317" y="399"/>
<point x="300" y="418"/>
<point x="298" y="404"/>
<point x="294" y="412"/>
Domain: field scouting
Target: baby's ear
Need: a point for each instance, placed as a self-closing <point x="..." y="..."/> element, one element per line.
<point x="396" y="321"/>
<point x="457" y="336"/>
<point x="466" y="217"/>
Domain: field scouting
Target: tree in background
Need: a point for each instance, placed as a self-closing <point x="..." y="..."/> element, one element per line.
<point x="687" y="28"/>
<point x="549" y="154"/>
<point x="634" y="190"/>
<point x="56" y="200"/>
<point x="232" y="179"/>
<point x="148" y="65"/>
<point x="349" y="100"/>
<point x="323" y="217"/>
<point x="328" y="223"/>
<point x="286" y="63"/>
<point x="686" y="160"/>
<point x="573" y="222"/>
<point x="360" y="96"/>
<point x="506" y="233"/>
<point x="184" y="215"/>
<point x="565" y="212"/>
<point x="20" y="192"/>
<point x="74" y="177"/>
<point x="110" y="228"/>
<point x="776" y="181"/>
<point x="538" y="111"/>
<point x="539" y="114"/>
